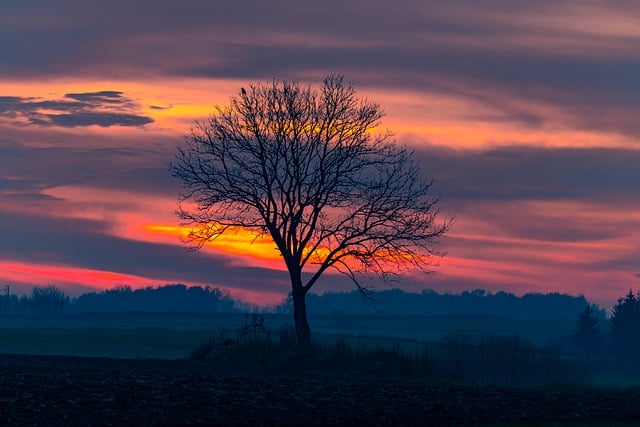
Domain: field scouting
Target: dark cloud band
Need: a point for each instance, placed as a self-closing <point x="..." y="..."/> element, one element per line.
<point x="105" y="109"/>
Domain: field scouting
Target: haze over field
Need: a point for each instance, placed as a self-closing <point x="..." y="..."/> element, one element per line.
<point x="525" y="115"/>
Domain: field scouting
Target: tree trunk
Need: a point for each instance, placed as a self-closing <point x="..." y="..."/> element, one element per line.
<point x="303" y="331"/>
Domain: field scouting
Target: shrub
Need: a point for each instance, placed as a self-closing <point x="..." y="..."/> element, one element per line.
<point x="459" y="358"/>
<point x="503" y="360"/>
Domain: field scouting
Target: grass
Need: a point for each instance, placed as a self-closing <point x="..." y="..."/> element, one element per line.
<point x="116" y="343"/>
<point x="431" y="328"/>
<point x="422" y="328"/>
<point x="175" y="335"/>
<point x="462" y="358"/>
<point x="483" y="352"/>
<point x="124" y="320"/>
<point x="459" y="358"/>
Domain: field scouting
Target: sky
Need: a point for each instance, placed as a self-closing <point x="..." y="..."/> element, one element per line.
<point x="525" y="114"/>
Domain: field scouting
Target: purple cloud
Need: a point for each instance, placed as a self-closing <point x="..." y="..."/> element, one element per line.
<point x="106" y="108"/>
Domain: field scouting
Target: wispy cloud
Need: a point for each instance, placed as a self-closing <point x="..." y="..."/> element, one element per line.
<point x="508" y="81"/>
<point x="105" y="109"/>
<point x="577" y="62"/>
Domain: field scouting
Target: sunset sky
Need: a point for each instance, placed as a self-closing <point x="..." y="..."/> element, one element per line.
<point x="525" y="114"/>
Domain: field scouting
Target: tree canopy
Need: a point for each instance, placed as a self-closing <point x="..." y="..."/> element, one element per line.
<point x="304" y="166"/>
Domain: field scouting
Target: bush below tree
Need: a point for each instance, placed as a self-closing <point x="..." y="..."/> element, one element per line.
<point x="459" y="359"/>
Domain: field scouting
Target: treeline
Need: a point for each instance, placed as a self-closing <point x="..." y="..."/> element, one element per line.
<point x="621" y="339"/>
<point x="395" y="302"/>
<point x="169" y="298"/>
<point x="428" y="302"/>
<point x="43" y="300"/>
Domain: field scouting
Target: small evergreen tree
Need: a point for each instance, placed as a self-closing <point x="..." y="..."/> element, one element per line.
<point x="625" y="327"/>
<point x="587" y="336"/>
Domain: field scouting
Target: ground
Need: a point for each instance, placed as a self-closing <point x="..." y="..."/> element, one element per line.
<point x="76" y="391"/>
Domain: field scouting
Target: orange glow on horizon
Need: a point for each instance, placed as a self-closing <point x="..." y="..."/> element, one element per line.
<point x="236" y="241"/>
<point x="243" y="242"/>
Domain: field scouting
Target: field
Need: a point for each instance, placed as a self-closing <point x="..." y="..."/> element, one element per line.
<point x="67" y="391"/>
<point x="116" y="343"/>
<point x="174" y="335"/>
<point x="133" y="371"/>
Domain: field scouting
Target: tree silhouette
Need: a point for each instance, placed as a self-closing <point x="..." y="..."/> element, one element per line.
<point x="303" y="166"/>
<point x="168" y="298"/>
<point x="587" y="336"/>
<point x="625" y="327"/>
<point x="48" y="299"/>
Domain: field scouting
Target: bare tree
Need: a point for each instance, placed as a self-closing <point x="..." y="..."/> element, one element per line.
<point x="303" y="166"/>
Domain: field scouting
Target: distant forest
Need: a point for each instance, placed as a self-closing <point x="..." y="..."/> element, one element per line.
<point x="478" y="302"/>
<point x="395" y="302"/>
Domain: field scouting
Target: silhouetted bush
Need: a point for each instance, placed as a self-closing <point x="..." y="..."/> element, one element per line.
<point x="505" y="360"/>
<point x="459" y="358"/>
<point x="253" y="324"/>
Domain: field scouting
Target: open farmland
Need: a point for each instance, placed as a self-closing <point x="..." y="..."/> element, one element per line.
<point x="174" y="335"/>
<point x="68" y="391"/>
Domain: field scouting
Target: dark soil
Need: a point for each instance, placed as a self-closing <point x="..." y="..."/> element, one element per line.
<point x="71" y="391"/>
